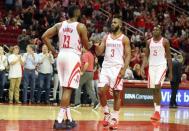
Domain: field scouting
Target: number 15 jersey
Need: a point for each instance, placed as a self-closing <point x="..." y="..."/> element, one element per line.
<point x="69" y="37"/>
<point x="114" y="51"/>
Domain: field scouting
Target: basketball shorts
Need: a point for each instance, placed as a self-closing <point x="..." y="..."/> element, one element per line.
<point x="68" y="67"/>
<point x="109" y="77"/>
<point x="156" y="75"/>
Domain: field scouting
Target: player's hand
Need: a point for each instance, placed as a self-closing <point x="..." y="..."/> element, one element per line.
<point x="81" y="73"/>
<point x="122" y="73"/>
<point x="110" y="91"/>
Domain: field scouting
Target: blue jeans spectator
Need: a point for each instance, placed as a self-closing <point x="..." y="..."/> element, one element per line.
<point x="29" y="80"/>
<point x="2" y="83"/>
<point x="44" y="82"/>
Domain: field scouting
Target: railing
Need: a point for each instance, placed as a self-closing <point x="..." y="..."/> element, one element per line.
<point x="127" y="25"/>
<point x="133" y="29"/>
<point x="175" y="51"/>
<point x="177" y="9"/>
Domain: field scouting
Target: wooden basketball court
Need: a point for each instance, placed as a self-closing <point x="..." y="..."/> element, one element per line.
<point x="41" y="118"/>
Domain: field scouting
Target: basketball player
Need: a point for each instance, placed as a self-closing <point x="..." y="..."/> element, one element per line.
<point x="117" y="58"/>
<point x="158" y="54"/>
<point x="72" y="35"/>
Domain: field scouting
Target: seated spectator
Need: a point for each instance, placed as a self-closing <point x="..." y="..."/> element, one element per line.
<point x="135" y="57"/>
<point x="23" y="41"/>
<point x="184" y="79"/>
<point x="129" y="74"/>
<point x="137" y="72"/>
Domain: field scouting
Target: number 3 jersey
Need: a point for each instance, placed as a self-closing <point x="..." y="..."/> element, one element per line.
<point x="157" y="53"/>
<point x="69" y="37"/>
<point x="114" y="51"/>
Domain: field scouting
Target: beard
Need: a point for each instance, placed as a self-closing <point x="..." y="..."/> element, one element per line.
<point x="115" y="29"/>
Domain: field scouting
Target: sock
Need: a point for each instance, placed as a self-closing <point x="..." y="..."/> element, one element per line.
<point x="106" y="109"/>
<point x="115" y="115"/>
<point x="68" y="114"/>
<point x="154" y="105"/>
<point x="60" y="116"/>
<point x="157" y="108"/>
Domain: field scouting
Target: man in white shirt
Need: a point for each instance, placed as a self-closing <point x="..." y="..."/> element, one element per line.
<point x="45" y="73"/>
<point x="3" y="65"/>
<point x="15" y="74"/>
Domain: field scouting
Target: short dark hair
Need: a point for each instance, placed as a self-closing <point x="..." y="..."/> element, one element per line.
<point x="72" y="9"/>
<point x="32" y="47"/>
<point x="117" y="16"/>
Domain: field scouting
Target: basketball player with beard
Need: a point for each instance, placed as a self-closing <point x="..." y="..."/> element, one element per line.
<point x="116" y="60"/>
<point x="72" y="36"/>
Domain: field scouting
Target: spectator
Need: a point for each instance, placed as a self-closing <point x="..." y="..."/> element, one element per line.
<point x="137" y="72"/>
<point x="3" y="66"/>
<point x="129" y="74"/>
<point x="9" y="4"/>
<point x="184" y="79"/>
<point x="23" y="41"/>
<point x="86" y="79"/>
<point x="30" y="62"/>
<point x="15" y="74"/>
<point x="177" y="67"/>
<point x="45" y="71"/>
<point x="135" y="57"/>
<point x="56" y="86"/>
<point x="18" y="5"/>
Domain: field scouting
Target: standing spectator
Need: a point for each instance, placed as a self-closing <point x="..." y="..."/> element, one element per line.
<point x="30" y="62"/>
<point x="3" y="65"/>
<point x="15" y="75"/>
<point x="86" y="79"/>
<point x="45" y="71"/>
<point x="177" y="67"/>
<point x="56" y="85"/>
<point x="23" y="40"/>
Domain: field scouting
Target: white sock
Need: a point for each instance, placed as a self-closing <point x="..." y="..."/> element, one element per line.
<point x="68" y="114"/>
<point x="115" y="115"/>
<point x="157" y="108"/>
<point x="106" y="109"/>
<point x="154" y="104"/>
<point x="60" y="116"/>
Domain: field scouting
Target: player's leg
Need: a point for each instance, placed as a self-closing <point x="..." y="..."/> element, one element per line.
<point x="117" y="86"/>
<point x="69" y="75"/>
<point x="102" y="90"/>
<point x="116" y="108"/>
<point x="160" y="72"/>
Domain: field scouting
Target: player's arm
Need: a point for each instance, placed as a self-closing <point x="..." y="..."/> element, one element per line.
<point x="47" y="36"/>
<point x="82" y="30"/>
<point x="99" y="49"/>
<point x="127" y="52"/>
<point x="147" y="53"/>
<point x="168" y="57"/>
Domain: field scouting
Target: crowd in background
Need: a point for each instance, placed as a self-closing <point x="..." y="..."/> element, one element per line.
<point x="33" y="17"/>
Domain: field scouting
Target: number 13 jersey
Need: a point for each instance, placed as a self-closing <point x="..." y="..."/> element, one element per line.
<point x="157" y="53"/>
<point x="69" y="37"/>
<point x="114" y="51"/>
